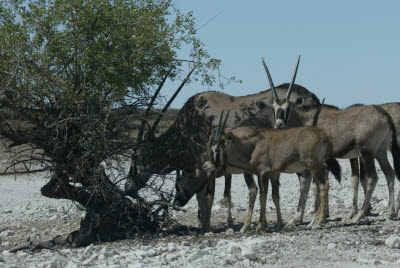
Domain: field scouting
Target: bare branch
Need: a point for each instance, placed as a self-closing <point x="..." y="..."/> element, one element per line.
<point x="59" y="240"/>
<point x="163" y="203"/>
<point x="205" y="24"/>
<point x="46" y="75"/>
<point x="15" y="172"/>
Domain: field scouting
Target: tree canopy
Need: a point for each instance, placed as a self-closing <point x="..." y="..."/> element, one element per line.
<point x="86" y="63"/>
<point x="76" y="78"/>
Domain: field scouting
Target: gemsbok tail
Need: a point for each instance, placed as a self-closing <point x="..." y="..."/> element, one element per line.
<point x="331" y="163"/>
<point x="334" y="167"/>
<point x="395" y="151"/>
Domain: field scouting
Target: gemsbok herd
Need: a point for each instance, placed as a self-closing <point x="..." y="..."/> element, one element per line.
<point x="282" y="130"/>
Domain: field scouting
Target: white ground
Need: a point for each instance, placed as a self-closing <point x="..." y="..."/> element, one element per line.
<point x="25" y="213"/>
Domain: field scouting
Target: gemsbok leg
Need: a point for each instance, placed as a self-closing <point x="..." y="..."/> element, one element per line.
<point x="205" y="206"/>
<point x="227" y="199"/>
<point x="305" y="179"/>
<point x="390" y="176"/>
<point x="371" y="179"/>
<point x="263" y="180"/>
<point x="252" y="198"/>
<point x="381" y="157"/>
<point x="355" y="178"/>
<point x="276" y="199"/>
<point x="363" y="182"/>
<point x="397" y="205"/>
<point x="210" y="200"/>
<point x="321" y="180"/>
<point x="316" y="193"/>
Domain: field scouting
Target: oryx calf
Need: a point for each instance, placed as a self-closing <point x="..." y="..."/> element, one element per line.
<point x="248" y="177"/>
<point x="212" y="174"/>
<point x="268" y="151"/>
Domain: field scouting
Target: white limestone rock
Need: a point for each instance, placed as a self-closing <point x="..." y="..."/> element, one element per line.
<point x="331" y="246"/>
<point x="248" y="253"/>
<point x="56" y="262"/>
<point x="72" y="264"/>
<point x="88" y="249"/>
<point x="393" y="241"/>
<point x="229" y="231"/>
<point x="7" y="233"/>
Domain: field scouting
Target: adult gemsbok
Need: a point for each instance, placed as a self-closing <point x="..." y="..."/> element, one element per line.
<point x="360" y="131"/>
<point x="393" y="109"/>
<point x="266" y="152"/>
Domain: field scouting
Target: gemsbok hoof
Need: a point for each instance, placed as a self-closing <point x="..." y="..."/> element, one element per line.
<point x="316" y="226"/>
<point x="357" y="219"/>
<point x="352" y="214"/>
<point x="311" y="224"/>
<point x="289" y="226"/>
<point x="390" y="216"/>
<point x="278" y="227"/>
<point x="260" y="228"/>
<point x="244" y="229"/>
<point x="292" y="223"/>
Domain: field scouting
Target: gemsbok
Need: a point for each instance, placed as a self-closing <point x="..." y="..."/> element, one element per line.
<point x="267" y="152"/>
<point x="393" y="109"/>
<point x="180" y="147"/>
<point x="357" y="132"/>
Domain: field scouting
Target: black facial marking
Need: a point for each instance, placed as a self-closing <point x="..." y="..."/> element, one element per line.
<point x="280" y="114"/>
<point x="217" y="160"/>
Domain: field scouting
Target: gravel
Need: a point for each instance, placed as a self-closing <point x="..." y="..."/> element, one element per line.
<point x="24" y="213"/>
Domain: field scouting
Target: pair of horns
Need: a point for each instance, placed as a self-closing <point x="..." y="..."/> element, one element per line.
<point x="272" y="83"/>
<point x="221" y="126"/>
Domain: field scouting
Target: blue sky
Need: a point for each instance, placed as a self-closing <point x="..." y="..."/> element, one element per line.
<point x="350" y="49"/>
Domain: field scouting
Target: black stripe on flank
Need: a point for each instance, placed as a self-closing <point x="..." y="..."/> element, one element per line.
<point x="346" y="149"/>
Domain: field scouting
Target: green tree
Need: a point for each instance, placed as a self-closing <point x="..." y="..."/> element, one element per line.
<point x="77" y="78"/>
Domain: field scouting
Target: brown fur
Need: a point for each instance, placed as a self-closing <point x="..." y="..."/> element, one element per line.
<point x="393" y="109"/>
<point x="358" y="131"/>
<point x="268" y="152"/>
<point x="181" y="145"/>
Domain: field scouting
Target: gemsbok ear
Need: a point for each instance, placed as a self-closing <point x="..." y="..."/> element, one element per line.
<point x="260" y="105"/>
<point x="300" y="102"/>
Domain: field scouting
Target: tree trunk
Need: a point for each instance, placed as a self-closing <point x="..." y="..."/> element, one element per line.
<point x="110" y="215"/>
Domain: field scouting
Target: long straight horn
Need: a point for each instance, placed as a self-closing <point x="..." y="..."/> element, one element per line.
<point x="219" y="126"/>
<point x="224" y="124"/>
<point x="293" y="79"/>
<point x="270" y="81"/>
<point x="222" y="128"/>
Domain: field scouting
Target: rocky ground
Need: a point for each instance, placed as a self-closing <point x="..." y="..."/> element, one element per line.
<point x="24" y="214"/>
